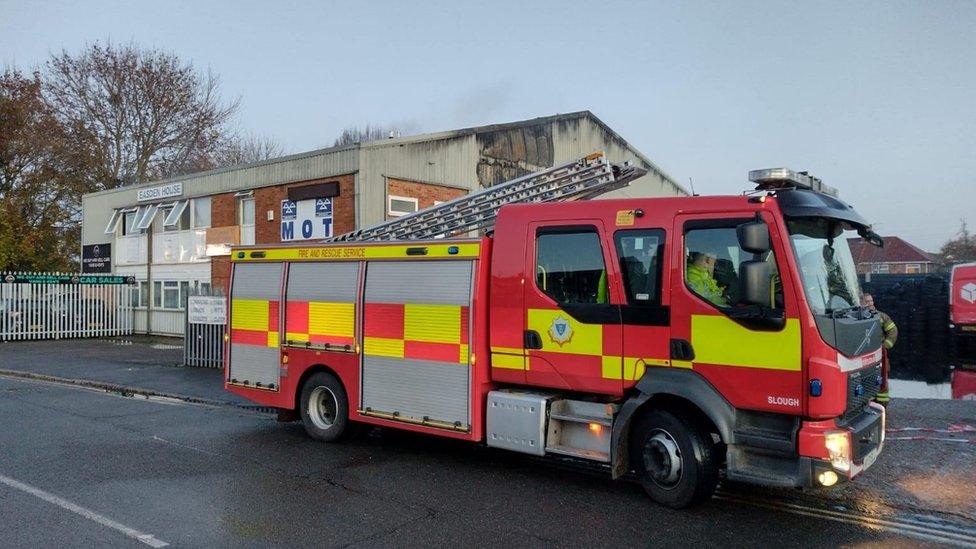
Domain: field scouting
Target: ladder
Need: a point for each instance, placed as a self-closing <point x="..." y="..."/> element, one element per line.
<point x="581" y="179"/>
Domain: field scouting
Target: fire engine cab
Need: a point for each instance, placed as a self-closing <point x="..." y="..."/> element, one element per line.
<point x="670" y="337"/>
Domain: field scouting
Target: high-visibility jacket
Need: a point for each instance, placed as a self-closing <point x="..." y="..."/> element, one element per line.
<point x="890" y="331"/>
<point x="703" y="283"/>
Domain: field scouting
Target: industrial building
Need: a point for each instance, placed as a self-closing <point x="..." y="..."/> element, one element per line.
<point x="174" y="235"/>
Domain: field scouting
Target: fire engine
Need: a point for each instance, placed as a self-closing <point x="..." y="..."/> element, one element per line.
<point x="673" y="338"/>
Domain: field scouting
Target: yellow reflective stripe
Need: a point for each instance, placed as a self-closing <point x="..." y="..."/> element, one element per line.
<point x="508" y="350"/>
<point x="272" y="339"/>
<point x="463" y="354"/>
<point x="721" y="340"/>
<point x="382" y="346"/>
<point x="584" y="339"/>
<point x="611" y="367"/>
<point x="888" y="326"/>
<point x="508" y="362"/>
<point x="292" y="336"/>
<point x="681" y="363"/>
<point x="465" y="250"/>
<point x="432" y="323"/>
<point x="336" y="319"/>
<point x="249" y="314"/>
<point x="657" y="362"/>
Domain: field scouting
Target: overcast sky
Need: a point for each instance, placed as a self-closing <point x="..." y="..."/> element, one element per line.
<point x="877" y="99"/>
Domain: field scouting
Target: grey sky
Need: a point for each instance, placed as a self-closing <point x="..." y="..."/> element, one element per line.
<point x="878" y="99"/>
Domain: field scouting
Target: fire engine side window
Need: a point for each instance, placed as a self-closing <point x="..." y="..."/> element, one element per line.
<point x="712" y="261"/>
<point x="639" y="253"/>
<point x="569" y="266"/>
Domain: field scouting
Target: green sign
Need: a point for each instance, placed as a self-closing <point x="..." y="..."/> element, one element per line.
<point x="57" y="278"/>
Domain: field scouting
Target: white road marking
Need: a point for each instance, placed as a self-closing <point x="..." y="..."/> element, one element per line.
<point x="148" y="539"/>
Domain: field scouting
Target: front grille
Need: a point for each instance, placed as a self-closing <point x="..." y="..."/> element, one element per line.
<point x="869" y="381"/>
<point x="865" y="434"/>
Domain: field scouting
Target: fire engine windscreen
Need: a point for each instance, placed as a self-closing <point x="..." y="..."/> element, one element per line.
<point x="826" y="266"/>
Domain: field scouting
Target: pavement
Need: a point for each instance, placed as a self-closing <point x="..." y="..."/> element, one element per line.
<point x="85" y="466"/>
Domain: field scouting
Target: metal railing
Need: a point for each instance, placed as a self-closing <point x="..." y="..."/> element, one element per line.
<point x="205" y="321"/>
<point x="64" y="305"/>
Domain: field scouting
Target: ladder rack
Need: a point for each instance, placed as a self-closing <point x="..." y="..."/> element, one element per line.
<point x="582" y="179"/>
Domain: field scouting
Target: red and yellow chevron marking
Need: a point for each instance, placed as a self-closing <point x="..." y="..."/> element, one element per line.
<point x="420" y="331"/>
<point x="254" y="322"/>
<point x="320" y="322"/>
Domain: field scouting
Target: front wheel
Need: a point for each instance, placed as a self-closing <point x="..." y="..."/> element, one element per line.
<point x="675" y="459"/>
<point x="325" y="408"/>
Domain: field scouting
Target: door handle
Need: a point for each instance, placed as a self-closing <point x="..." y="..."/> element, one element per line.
<point x="532" y="340"/>
<point x="681" y="350"/>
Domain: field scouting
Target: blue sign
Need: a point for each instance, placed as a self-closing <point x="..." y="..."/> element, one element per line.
<point x="289" y="209"/>
<point x="323" y="207"/>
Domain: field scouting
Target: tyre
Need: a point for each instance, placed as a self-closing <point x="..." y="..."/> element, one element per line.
<point x="675" y="459"/>
<point x="325" y="408"/>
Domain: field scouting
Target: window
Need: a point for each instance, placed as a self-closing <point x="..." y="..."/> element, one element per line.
<point x="140" y="295"/>
<point x="713" y="262"/>
<point x="129" y="220"/>
<point x="178" y="217"/>
<point x="569" y="266"/>
<point x="245" y="217"/>
<point x="171" y="294"/>
<point x="401" y="205"/>
<point x="640" y="252"/>
<point x="157" y="294"/>
<point x="201" y="212"/>
<point x="913" y="268"/>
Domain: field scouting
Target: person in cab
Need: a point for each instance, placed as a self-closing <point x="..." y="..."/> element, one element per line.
<point x="701" y="278"/>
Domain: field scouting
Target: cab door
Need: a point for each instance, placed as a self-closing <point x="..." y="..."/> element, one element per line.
<point x="573" y="334"/>
<point x="751" y="354"/>
<point x="645" y="311"/>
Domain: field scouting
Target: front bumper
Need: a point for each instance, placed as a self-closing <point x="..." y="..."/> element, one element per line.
<point x="864" y="436"/>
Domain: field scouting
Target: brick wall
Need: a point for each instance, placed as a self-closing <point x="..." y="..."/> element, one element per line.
<point x="425" y="193"/>
<point x="224" y="213"/>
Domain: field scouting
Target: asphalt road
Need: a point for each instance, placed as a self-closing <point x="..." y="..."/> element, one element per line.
<point x="81" y="467"/>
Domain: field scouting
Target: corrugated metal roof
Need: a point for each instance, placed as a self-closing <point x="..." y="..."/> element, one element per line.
<point x="394" y="142"/>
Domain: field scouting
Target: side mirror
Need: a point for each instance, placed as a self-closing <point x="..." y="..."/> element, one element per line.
<point x="753" y="237"/>
<point x="754" y="283"/>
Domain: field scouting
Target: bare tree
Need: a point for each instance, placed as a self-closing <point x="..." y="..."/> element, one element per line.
<point x="244" y="149"/>
<point x="371" y="132"/>
<point x="147" y="113"/>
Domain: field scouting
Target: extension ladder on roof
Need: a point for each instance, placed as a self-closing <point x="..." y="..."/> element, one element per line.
<point x="582" y="179"/>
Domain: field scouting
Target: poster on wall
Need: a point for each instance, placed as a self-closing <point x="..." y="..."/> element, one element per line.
<point x="306" y="219"/>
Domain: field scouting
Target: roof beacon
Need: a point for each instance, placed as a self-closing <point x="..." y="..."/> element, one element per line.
<point x="784" y="178"/>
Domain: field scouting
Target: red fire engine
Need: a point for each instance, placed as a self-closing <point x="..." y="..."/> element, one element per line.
<point x="671" y="337"/>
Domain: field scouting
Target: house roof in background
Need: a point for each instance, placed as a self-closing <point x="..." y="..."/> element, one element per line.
<point x="896" y="250"/>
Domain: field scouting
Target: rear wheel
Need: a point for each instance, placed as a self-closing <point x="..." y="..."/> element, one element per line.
<point x="675" y="459"/>
<point x="325" y="408"/>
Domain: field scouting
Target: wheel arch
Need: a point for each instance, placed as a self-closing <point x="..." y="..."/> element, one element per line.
<point x="683" y="391"/>
<point x="309" y="372"/>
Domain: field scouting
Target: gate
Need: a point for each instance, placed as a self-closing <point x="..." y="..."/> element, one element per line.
<point x="204" y="327"/>
<point x="64" y="305"/>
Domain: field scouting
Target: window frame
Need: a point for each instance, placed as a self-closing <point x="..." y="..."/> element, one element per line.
<point x="728" y="223"/>
<point x="389" y="205"/>
<point x="569" y="229"/>
<point x="659" y="271"/>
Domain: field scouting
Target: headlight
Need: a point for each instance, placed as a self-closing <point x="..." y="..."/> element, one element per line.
<point x="838" y="445"/>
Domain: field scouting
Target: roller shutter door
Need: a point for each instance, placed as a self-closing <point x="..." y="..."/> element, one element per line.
<point x="416" y="330"/>
<point x="255" y="323"/>
<point x="320" y="304"/>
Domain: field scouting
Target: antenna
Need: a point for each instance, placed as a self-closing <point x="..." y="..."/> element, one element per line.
<point x="692" y="183"/>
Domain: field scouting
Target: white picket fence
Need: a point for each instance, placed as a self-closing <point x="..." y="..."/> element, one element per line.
<point x="64" y="305"/>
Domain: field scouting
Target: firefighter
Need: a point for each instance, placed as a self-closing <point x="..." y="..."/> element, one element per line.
<point x="702" y="280"/>
<point x="890" y="333"/>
